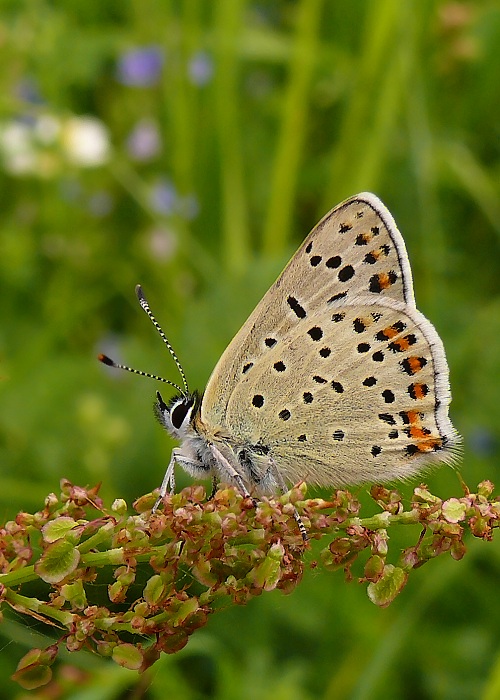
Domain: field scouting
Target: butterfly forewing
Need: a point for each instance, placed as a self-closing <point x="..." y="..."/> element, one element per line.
<point x="355" y="250"/>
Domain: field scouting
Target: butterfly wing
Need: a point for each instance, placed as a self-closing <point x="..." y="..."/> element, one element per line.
<point x="342" y="312"/>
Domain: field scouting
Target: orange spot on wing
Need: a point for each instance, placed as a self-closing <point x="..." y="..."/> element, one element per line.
<point x="418" y="391"/>
<point x="429" y="445"/>
<point x="390" y="332"/>
<point x="411" y="417"/>
<point x="403" y="343"/>
<point x="412" y="365"/>
<point x="383" y="279"/>
<point x="418" y="433"/>
<point x="415" y="364"/>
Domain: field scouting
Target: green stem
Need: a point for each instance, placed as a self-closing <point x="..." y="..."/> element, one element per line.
<point x="104" y="533"/>
<point x="24" y="603"/>
<point x="15" y="578"/>
<point x="110" y="557"/>
<point x="383" y="520"/>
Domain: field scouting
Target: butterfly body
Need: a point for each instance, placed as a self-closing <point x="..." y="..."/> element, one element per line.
<point x="336" y="378"/>
<point x="208" y="451"/>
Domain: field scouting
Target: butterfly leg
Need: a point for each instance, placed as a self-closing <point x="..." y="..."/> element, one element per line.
<point x="284" y="488"/>
<point x="215" y="484"/>
<point x="231" y="472"/>
<point x="168" y="483"/>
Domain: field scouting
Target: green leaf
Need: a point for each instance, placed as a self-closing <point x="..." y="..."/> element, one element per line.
<point x="75" y="594"/>
<point x="454" y="510"/>
<point x="154" y="590"/>
<point x="58" y="561"/>
<point x="58" y="528"/>
<point x="388" y="587"/>
<point x="267" y="574"/>
<point x="33" y="670"/>
<point x="128" y="656"/>
<point x="33" y="676"/>
<point x="187" y="607"/>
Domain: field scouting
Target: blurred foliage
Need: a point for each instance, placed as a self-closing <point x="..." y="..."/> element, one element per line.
<point x="190" y="145"/>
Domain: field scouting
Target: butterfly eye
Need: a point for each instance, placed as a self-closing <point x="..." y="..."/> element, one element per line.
<point x="179" y="412"/>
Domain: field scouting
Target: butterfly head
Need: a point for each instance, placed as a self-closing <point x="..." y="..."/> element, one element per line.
<point x="177" y="415"/>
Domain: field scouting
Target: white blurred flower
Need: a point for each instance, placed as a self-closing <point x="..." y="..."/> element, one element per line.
<point x="36" y="146"/>
<point x="86" y="141"/>
<point x="16" y="147"/>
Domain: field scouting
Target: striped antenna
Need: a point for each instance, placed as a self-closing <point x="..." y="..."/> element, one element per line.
<point x="143" y="302"/>
<point x="111" y="363"/>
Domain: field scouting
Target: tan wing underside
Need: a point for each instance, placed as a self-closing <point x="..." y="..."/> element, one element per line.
<point x="316" y="380"/>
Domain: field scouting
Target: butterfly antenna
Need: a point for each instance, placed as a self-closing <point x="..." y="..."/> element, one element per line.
<point x="111" y="363"/>
<point x="143" y="302"/>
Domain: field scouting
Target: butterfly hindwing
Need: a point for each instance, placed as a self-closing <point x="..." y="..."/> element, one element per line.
<point x="364" y="408"/>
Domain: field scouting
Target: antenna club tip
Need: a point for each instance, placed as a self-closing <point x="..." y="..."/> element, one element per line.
<point x="105" y="360"/>
<point x="139" y="292"/>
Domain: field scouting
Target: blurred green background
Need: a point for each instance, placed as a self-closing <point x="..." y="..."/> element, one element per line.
<point x="190" y="145"/>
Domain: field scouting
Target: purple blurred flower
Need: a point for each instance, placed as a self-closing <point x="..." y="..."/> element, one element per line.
<point x="144" y="141"/>
<point x="140" y="67"/>
<point x="200" y="68"/>
<point x="28" y="91"/>
<point x="164" y="197"/>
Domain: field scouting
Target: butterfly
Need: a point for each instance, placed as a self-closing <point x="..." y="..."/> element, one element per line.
<point x="335" y="378"/>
